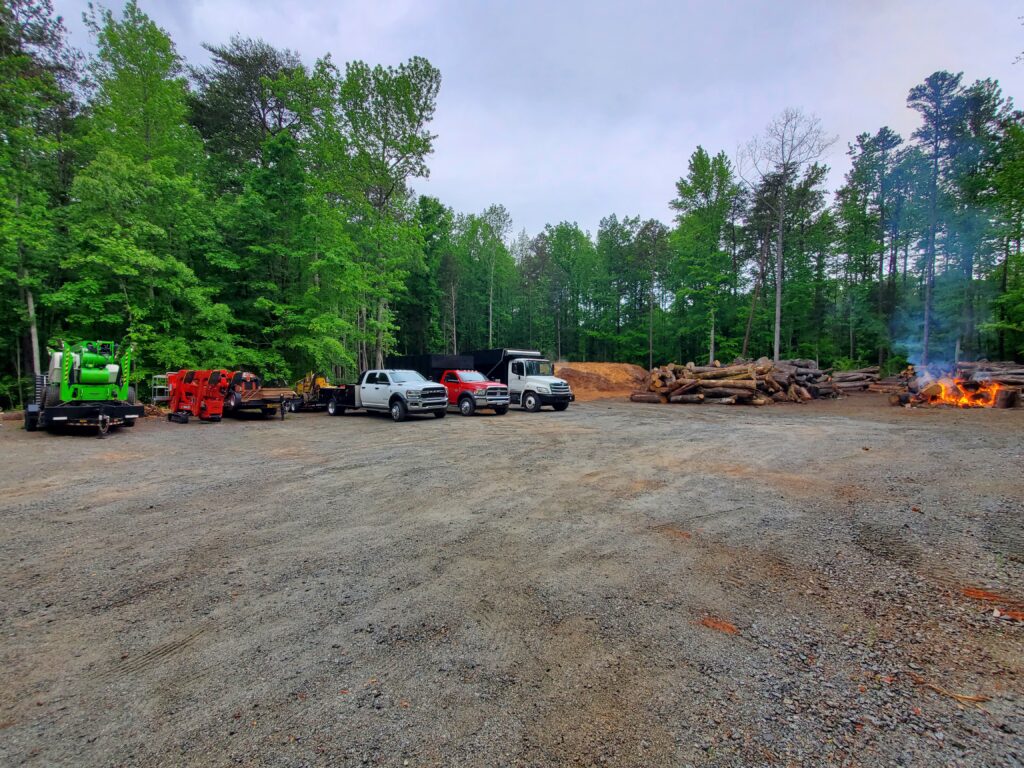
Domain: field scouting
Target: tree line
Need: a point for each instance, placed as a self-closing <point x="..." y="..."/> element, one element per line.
<point x="257" y="212"/>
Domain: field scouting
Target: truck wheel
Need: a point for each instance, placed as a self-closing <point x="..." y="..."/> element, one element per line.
<point x="560" y="406"/>
<point x="232" y="401"/>
<point x="466" y="406"/>
<point x="333" y="409"/>
<point x="130" y="422"/>
<point x="531" y="402"/>
<point x="398" y="410"/>
<point x="131" y="395"/>
<point x="52" y="396"/>
<point x="293" y="406"/>
<point x="103" y="428"/>
<point x="501" y="410"/>
<point x="440" y="414"/>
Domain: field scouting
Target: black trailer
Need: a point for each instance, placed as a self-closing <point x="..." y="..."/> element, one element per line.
<point x="431" y="366"/>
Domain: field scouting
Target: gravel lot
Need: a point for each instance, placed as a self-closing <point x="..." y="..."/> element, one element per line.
<point x="619" y="584"/>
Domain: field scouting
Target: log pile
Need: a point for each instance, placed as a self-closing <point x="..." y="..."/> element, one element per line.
<point x="744" y="382"/>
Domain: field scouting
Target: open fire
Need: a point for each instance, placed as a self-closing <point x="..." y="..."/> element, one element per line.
<point x="964" y="393"/>
<point x="963" y="387"/>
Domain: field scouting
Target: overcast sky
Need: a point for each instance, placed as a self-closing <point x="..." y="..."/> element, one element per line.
<point x="572" y="111"/>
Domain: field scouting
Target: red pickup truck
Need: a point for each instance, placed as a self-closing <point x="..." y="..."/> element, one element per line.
<point x="471" y="390"/>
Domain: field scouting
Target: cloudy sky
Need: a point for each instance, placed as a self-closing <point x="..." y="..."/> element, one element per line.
<point x="572" y="110"/>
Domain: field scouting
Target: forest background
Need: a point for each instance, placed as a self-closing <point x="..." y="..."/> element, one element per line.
<point x="255" y="212"/>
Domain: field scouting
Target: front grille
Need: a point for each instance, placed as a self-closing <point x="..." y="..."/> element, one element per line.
<point x="432" y="393"/>
<point x="497" y="392"/>
<point x="560" y="389"/>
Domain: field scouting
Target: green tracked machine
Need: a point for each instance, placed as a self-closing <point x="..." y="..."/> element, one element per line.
<point x="86" y="386"/>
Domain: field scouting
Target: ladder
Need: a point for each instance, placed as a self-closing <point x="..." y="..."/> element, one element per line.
<point x="159" y="390"/>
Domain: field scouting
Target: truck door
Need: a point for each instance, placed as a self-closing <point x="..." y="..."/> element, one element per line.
<point x="369" y="390"/>
<point x="451" y="383"/>
<point x="517" y="373"/>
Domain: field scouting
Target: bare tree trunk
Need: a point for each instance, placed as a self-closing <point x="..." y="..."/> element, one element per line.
<point x="33" y="331"/>
<point x="759" y="281"/>
<point x="490" y="307"/>
<point x="711" y="353"/>
<point x="778" y="273"/>
<point x="929" y="269"/>
<point x="455" y="340"/>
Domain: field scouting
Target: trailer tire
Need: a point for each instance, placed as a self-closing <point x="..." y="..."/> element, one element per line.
<point x="560" y="406"/>
<point x="398" y="410"/>
<point x="501" y="410"/>
<point x="466" y="406"/>
<point x="333" y="409"/>
<point x="440" y="414"/>
<point x="531" y="402"/>
<point x="232" y="401"/>
<point x="129" y="422"/>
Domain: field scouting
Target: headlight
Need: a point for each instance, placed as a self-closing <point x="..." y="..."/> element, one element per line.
<point x="542" y="389"/>
<point x="414" y="393"/>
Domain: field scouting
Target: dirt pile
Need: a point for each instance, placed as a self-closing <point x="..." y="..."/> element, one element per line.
<point x="592" y="381"/>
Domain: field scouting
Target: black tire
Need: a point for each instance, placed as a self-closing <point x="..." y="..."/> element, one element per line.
<point x="531" y="402"/>
<point x="103" y="428"/>
<point x="501" y="410"/>
<point x="231" y="401"/>
<point x="52" y="396"/>
<point x="560" y="406"/>
<point x="293" y="406"/>
<point x="130" y="422"/>
<point x="466" y="406"/>
<point x="31" y="421"/>
<point x="440" y="414"/>
<point x="398" y="410"/>
<point x="333" y="409"/>
<point x="131" y="396"/>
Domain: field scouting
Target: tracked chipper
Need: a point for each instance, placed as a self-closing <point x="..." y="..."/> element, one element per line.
<point x="86" y="386"/>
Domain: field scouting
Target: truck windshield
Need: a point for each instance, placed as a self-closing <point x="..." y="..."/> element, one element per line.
<point x="472" y="376"/>
<point x="539" y="368"/>
<point x="406" y="377"/>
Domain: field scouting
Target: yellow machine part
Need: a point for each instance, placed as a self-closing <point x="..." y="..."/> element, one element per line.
<point x="310" y="383"/>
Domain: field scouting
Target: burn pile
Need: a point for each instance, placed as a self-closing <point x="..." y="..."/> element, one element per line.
<point x="747" y="382"/>
<point x="981" y="384"/>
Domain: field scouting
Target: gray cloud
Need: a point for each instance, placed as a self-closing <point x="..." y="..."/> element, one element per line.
<point x="573" y="110"/>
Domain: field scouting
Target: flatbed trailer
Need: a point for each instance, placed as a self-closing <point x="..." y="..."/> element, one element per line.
<point x="247" y="394"/>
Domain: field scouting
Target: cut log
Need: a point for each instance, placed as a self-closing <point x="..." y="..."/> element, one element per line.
<point x="1007" y="398"/>
<point x="727" y="392"/>
<point x="720" y="400"/>
<point x="731" y="383"/>
<point x="688" y="386"/>
<point x="728" y="370"/>
<point x="644" y="397"/>
<point x="697" y="398"/>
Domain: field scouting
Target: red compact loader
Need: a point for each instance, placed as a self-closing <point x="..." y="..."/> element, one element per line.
<point x="197" y="393"/>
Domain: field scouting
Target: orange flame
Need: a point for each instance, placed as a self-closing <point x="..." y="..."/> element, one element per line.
<point x="966" y="394"/>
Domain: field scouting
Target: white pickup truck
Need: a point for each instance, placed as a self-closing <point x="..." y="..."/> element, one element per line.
<point x="396" y="391"/>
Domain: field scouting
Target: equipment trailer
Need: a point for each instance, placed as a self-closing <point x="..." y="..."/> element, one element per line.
<point x="86" y="386"/>
<point x="247" y="393"/>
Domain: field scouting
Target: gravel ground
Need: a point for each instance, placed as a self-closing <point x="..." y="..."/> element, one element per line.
<point x="619" y="584"/>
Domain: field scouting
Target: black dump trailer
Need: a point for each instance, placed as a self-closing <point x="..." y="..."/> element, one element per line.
<point x="493" y="363"/>
<point x="431" y="366"/>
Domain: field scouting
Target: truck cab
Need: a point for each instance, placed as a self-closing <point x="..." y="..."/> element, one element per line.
<point x="529" y="375"/>
<point x="470" y="391"/>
